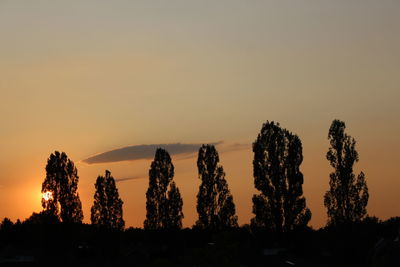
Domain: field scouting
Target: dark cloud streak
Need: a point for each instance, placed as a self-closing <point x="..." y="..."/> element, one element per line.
<point x="141" y="152"/>
<point x="129" y="178"/>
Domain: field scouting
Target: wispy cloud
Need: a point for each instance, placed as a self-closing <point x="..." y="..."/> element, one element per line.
<point x="142" y="152"/>
<point x="130" y="178"/>
<point x="236" y="147"/>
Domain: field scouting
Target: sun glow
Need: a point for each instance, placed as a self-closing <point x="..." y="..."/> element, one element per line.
<point x="47" y="195"/>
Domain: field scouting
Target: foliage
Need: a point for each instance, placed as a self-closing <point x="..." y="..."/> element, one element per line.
<point x="347" y="197"/>
<point x="42" y="218"/>
<point x="174" y="208"/>
<point x="281" y="205"/>
<point x="214" y="201"/>
<point x="6" y="224"/>
<point x="107" y="207"/>
<point x="164" y="202"/>
<point x="62" y="181"/>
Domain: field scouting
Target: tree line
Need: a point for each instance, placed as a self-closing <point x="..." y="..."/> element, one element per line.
<point x="280" y="205"/>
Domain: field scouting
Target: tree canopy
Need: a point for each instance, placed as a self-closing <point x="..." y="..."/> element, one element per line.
<point x="347" y="198"/>
<point x="107" y="207"/>
<point x="60" y="189"/>
<point x="214" y="201"/>
<point x="164" y="202"/>
<point x="280" y="206"/>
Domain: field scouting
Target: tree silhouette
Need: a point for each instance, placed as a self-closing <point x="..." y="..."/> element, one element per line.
<point x="347" y="197"/>
<point x="43" y="217"/>
<point x="6" y="224"/>
<point x="214" y="201"/>
<point x="281" y="205"/>
<point x="164" y="202"/>
<point x="175" y="203"/>
<point x="61" y="187"/>
<point x="107" y="207"/>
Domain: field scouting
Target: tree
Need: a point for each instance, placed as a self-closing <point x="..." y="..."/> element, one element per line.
<point x="164" y="202"/>
<point x="347" y="197"/>
<point x="60" y="189"/>
<point x="107" y="207"/>
<point x="278" y="155"/>
<point x="214" y="201"/>
<point x="6" y="224"/>
<point x="44" y="218"/>
<point x="175" y="203"/>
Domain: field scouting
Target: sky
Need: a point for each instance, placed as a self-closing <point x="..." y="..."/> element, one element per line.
<point x="88" y="77"/>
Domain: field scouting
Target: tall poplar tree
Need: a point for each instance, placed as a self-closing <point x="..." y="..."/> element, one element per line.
<point x="60" y="189"/>
<point x="214" y="201"/>
<point x="347" y="198"/>
<point x="174" y="207"/>
<point x="164" y="202"/>
<point x="280" y="206"/>
<point x="107" y="207"/>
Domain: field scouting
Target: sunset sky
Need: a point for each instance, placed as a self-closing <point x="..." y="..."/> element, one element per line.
<point x="86" y="77"/>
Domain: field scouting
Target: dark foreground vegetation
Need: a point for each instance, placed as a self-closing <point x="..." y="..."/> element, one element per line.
<point x="42" y="241"/>
<point x="277" y="235"/>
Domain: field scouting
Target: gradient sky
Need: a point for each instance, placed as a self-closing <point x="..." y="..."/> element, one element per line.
<point x="87" y="77"/>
